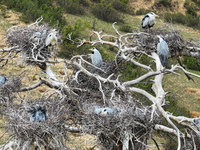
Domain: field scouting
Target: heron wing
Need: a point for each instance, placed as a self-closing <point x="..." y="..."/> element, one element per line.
<point x="145" y="21"/>
<point x="48" y="39"/>
<point x="2" y="80"/>
<point x="98" y="110"/>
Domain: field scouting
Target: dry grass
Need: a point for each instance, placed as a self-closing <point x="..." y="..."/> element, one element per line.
<point x="195" y="114"/>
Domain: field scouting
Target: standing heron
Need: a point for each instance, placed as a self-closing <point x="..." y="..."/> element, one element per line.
<point x="162" y="51"/>
<point x="149" y="20"/>
<point x="2" y="80"/>
<point x="51" y="38"/>
<point x="96" y="57"/>
<point x="35" y="37"/>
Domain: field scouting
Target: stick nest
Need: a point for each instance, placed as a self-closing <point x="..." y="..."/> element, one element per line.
<point x="45" y="133"/>
<point x="31" y="51"/>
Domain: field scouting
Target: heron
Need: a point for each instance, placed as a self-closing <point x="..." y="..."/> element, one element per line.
<point x="149" y="20"/>
<point x="162" y="51"/>
<point x="35" y="37"/>
<point x="106" y="111"/>
<point x="32" y="112"/>
<point x="40" y="114"/>
<point x="197" y="121"/>
<point x="96" y="57"/>
<point x="2" y="80"/>
<point x="37" y="114"/>
<point x="51" y="38"/>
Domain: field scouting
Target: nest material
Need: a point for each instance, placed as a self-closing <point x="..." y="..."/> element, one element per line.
<point x="7" y="90"/>
<point x="149" y="41"/>
<point x="31" y="51"/>
<point x="45" y="133"/>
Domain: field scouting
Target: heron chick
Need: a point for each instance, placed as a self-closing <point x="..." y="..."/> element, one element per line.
<point x="38" y="114"/>
<point x="35" y="37"/>
<point x="107" y="111"/>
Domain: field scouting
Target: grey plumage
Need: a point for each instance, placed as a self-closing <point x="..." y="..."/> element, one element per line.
<point x="149" y="20"/>
<point x="106" y="111"/>
<point x="37" y="114"/>
<point x="2" y="80"/>
<point x="162" y="51"/>
<point x="96" y="57"/>
<point x="197" y="121"/>
<point x="35" y="37"/>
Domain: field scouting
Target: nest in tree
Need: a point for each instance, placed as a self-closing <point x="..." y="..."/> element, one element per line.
<point x="133" y="118"/>
<point x="172" y="37"/>
<point x="45" y="133"/>
<point x="31" y="50"/>
<point x="8" y="89"/>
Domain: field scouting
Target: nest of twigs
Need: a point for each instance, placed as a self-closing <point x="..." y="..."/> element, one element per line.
<point x="7" y="90"/>
<point x="45" y="133"/>
<point x="149" y="40"/>
<point x="31" y="51"/>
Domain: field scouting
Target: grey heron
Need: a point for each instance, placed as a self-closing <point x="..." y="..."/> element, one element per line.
<point x="51" y="38"/>
<point x="96" y="57"/>
<point x="106" y="111"/>
<point x="162" y="51"/>
<point x="2" y="80"/>
<point x="37" y="114"/>
<point x="35" y="37"/>
<point x="149" y="20"/>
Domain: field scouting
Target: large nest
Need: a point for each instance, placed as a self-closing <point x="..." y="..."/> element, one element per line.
<point x="31" y="50"/>
<point x="46" y="133"/>
<point x="149" y="41"/>
<point x="7" y="90"/>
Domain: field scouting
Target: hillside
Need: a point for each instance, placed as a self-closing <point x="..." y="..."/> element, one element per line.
<point x="187" y="93"/>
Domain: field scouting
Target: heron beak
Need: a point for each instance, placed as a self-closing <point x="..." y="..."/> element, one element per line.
<point x="156" y="15"/>
<point x="91" y="49"/>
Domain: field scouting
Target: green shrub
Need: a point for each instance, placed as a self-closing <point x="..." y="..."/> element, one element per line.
<point x="190" y="8"/>
<point x="197" y="2"/>
<point x="33" y="9"/>
<point x="125" y="1"/>
<point x="68" y="49"/>
<point x="3" y="10"/>
<point x="120" y="6"/>
<point x="106" y="12"/>
<point x="74" y="7"/>
<point x="176" y="17"/>
<point x="96" y="1"/>
<point x="84" y="2"/>
<point x="165" y="3"/>
<point x="126" y="28"/>
<point x="141" y="11"/>
<point x="190" y="62"/>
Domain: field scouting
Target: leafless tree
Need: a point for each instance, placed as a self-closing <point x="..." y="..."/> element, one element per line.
<point x="70" y="106"/>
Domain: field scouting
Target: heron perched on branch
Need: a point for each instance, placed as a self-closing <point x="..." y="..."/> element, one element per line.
<point x="2" y="80"/>
<point x="96" y="57"/>
<point x="162" y="51"/>
<point x="51" y="38"/>
<point x="105" y="111"/>
<point x="149" y="20"/>
<point x="37" y="114"/>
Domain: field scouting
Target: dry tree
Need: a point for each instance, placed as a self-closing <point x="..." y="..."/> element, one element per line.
<point x="70" y="104"/>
